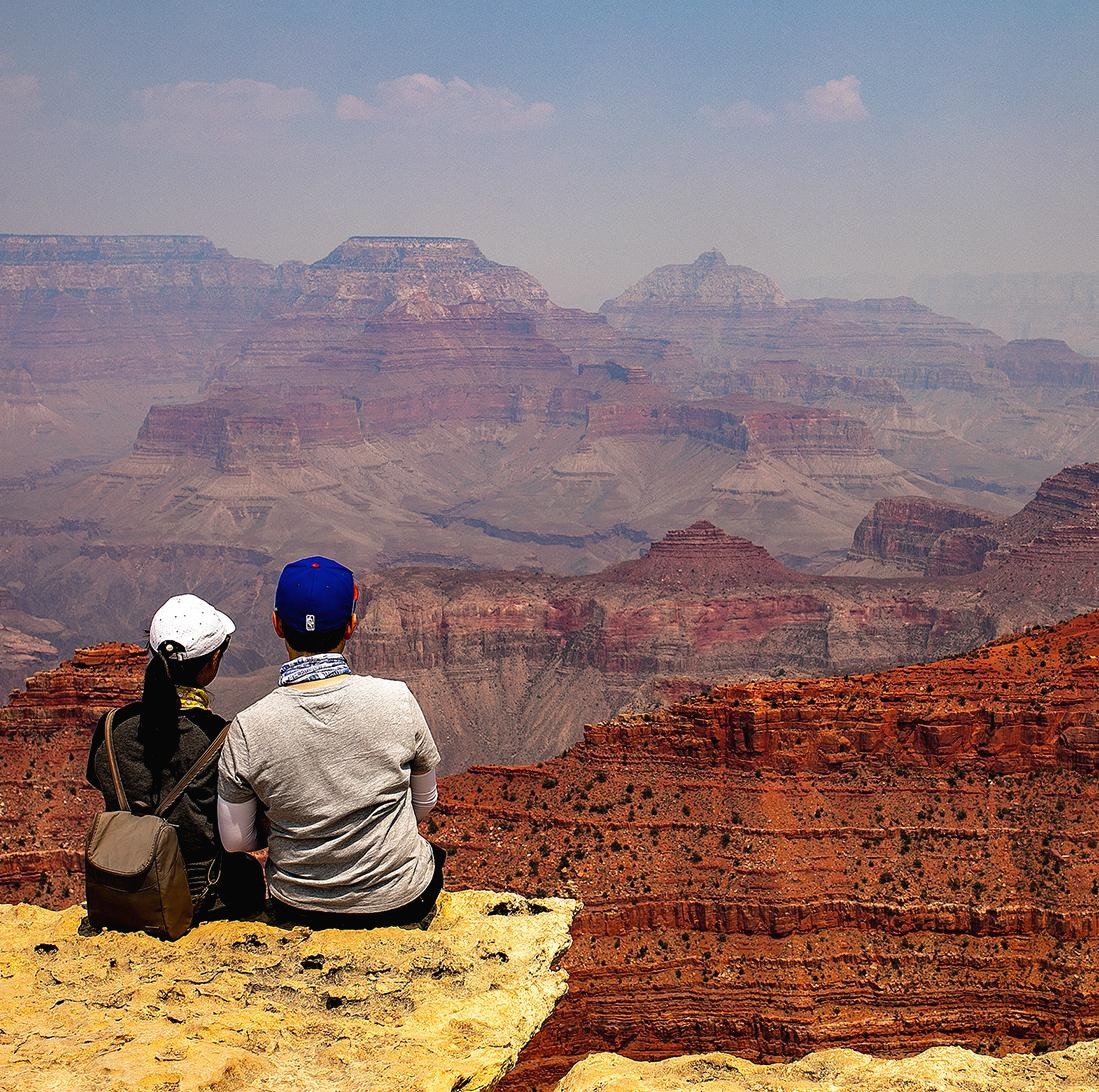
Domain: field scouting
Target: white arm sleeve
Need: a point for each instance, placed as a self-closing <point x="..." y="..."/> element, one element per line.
<point x="237" y="825"/>
<point x="425" y="793"/>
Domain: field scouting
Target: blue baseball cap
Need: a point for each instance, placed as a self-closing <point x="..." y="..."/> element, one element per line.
<point x="316" y="595"/>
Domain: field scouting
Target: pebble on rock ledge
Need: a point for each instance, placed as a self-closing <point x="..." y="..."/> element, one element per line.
<point x="247" y="1005"/>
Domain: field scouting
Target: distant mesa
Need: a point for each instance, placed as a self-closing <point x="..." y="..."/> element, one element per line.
<point x="708" y="282"/>
<point x="388" y="253"/>
<point x="27" y="249"/>
<point x="1044" y="362"/>
<point x="704" y="551"/>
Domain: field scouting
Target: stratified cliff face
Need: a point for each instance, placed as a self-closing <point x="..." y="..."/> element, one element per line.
<point x="709" y="283"/>
<point x="484" y="651"/>
<point x="904" y="530"/>
<point x="1045" y="363"/>
<point x="887" y="862"/>
<point x="95" y="328"/>
<point x="78" y="307"/>
<point x="1053" y="542"/>
<point x="45" y="802"/>
<point x="725" y="312"/>
<point x="968" y="410"/>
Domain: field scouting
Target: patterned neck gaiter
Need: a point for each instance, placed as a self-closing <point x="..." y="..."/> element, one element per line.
<point x="327" y="665"/>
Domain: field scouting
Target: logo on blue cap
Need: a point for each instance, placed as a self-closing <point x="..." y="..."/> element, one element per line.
<point x="316" y="595"/>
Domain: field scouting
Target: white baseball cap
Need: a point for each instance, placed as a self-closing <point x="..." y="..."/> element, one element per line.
<point x="191" y="623"/>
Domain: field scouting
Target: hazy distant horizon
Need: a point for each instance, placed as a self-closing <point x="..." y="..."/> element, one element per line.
<point x="583" y="143"/>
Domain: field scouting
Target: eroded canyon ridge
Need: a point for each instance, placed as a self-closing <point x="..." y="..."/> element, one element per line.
<point x="885" y="861"/>
<point x="176" y="417"/>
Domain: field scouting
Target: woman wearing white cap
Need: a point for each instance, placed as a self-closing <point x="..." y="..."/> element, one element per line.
<point x="157" y="740"/>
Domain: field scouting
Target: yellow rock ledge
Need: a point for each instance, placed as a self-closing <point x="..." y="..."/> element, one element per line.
<point x="941" y="1069"/>
<point x="245" y="1005"/>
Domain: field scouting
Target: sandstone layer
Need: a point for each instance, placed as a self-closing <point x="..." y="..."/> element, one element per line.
<point x="944" y="1069"/>
<point x="887" y="862"/>
<point x="244" y="1004"/>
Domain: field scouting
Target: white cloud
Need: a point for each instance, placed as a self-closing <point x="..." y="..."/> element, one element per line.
<point x="20" y="98"/>
<point x="352" y="108"/>
<point x="743" y="114"/>
<point x="420" y="99"/>
<point x="229" y="112"/>
<point x="836" y="100"/>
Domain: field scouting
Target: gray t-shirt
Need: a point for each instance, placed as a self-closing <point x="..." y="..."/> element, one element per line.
<point x="331" y="765"/>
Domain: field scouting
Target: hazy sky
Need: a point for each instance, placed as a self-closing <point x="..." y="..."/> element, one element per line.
<point x="586" y="142"/>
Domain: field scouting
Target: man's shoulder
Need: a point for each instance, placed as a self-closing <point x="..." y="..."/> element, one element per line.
<point x="371" y="684"/>
<point x="263" y="707"/>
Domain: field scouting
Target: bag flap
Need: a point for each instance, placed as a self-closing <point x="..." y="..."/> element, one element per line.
<point x="124" y="844"/>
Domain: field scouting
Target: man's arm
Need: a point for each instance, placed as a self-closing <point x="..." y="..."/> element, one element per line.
<point x="425" y="793"/>
<point x="238" y="825"/>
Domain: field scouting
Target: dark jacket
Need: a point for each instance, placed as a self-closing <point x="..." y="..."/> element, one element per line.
<point x="194" y="814"/>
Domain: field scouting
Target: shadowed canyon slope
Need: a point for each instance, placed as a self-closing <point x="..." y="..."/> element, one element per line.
<point x="485" y="651"/>
<point x="408" y="400"/>
<point x="887" y="861"/>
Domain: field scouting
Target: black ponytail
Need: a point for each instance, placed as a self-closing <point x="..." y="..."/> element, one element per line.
<point x="158" y="728"/>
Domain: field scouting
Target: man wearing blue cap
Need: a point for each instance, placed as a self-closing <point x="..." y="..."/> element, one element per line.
<point x="342" y="766"/>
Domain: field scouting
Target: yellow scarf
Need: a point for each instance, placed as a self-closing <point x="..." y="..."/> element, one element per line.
<point x="193" y="697"/>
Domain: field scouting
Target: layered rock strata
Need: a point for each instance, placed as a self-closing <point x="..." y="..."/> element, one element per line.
<point x="244" y="1004"/>
<point x="45" y="801"/>
<point x="725" y="312"/>
<point x="905" y="530"/>
<point x="889" y="862"/>
<point x="483" y="650"/>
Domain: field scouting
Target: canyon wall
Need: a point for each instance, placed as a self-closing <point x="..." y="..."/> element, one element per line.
<point x="887" y="862"/>
<point x="46" y="804"/>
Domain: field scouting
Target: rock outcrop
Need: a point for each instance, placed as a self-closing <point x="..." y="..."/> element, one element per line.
<point x="1044" y="362"/>
<point x="889" y="862"/>
<point x="945" y="1069"/>
<point x="485" y="650"/>
<point x="708" y="283"/>
<point x="46" y="804"/>
<point x="903" y="531"/>
<point x="244" y="1004"/>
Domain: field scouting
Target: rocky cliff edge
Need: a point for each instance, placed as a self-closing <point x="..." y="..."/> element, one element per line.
<point x="246" y="1005"/>
<point x="943" y="1069"/>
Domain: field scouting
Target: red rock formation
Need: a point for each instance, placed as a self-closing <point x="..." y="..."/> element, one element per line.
<point x="482" y="648"/>
<point x="45" y="802"/>
<point x="904" y="531"/>
<point x="1043" y="362"/>
<point x="885" y="862"/>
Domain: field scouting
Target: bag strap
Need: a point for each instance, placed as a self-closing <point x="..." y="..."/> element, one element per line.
<point x="193" y="772"/>
<point x="116" y="777"/>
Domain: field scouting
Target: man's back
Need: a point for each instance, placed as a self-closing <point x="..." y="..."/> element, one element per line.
<point x="331" y="762"/>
